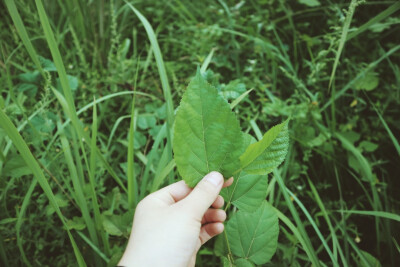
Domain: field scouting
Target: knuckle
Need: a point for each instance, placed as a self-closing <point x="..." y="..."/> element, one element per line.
<point x="141" y="205"/>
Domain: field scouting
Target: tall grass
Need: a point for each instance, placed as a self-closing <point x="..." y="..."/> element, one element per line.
<point x="31" y="162"/>
<point x="270" y="50"/>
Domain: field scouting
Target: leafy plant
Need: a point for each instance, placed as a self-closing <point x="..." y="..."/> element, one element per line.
<point x="336" y="195"/>
<point x="207" y="137"/>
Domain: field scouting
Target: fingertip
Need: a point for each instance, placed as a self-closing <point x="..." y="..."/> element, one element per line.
<point x="219" y="202"/>
<point x="219" y="227"/>
<point x="213" y="216"/>
<point x="214" y="178"/>
<point x="204" y="194"/>
<point x="228" y="182"/>
<point x="210" y="230"/>
<point x="222" y="215"/>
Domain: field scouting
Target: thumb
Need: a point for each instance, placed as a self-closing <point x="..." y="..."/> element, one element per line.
<point x="204" y="194"/>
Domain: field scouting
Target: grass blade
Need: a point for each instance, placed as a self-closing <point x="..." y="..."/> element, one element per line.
<point x="343" y="36"/>
<point x="382" y="214"/>
<point x="240" y="98"/>
<point x="296" y="232"/>
<point x="160" y="66"/>
<point x="163" y="76"/>
<point x="83" y="135"/>
<point x="55" y="54"/>
<point x="160" y="176"/>
<point x="336" y="245"/>
<point x="12" y="9"/>
<point x="308" y="246"/>
<point x="78" y="185"/>
<point x="390" y="133"/>
<point x="21" y="214"/>
<point x="31" y="162"/>
<point x="65" y="86"/>
<point x="313" y="224"/>
<point x="94" y="247"/>
<point x="381" y="16"/>
<point x="207" y="61"/>
<point x="92" y="181"/>
<point x="132" y="184"/>
<point x="349" y="85"/>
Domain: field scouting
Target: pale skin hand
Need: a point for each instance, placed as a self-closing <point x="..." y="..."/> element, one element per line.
<point x="171" y="225"/>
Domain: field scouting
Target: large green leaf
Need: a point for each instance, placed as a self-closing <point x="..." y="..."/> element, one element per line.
<point x="207" y="135"/>
<point x="247" y="192"/>
<point x="264" y="156"/>
<point x="254" y="235"/>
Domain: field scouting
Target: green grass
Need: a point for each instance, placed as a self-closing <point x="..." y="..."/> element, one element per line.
<point x="88" y="102"/>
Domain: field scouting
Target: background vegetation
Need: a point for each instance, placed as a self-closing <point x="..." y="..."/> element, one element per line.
<point x="85" y="155"/>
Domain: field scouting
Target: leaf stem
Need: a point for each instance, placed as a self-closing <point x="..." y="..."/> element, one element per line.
<point x="233" y="190"/>
<point x="230" y="256"/>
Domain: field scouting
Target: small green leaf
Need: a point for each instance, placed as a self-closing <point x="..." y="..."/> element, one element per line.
<point x="111" y="228"/>
<point x="47" y="64"/>
<point x="247" y="192"/>
<point x="368" y="146"/>
<point x="146" y="121"/>
<point x="264" y="156"/>
<point x="207" y="135"/>
<point x="61" y="202"/>
<point x="254" y="235"/>
<point x="311" y="3"/>
<point x="16" y="167"/>
<point x="72" y="81"/>
<point x="368" y="83"/>
<point x="30" y="77"/>
<point x="77" y="223"/>
<point x="233" y="90"/>
<point x="27" y="88"/>
<point x="371" y="260"/>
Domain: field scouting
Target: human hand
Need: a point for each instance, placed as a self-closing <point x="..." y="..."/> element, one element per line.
<point x="170" y="225"/>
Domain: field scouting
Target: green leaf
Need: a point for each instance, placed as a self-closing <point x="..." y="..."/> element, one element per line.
<point x="77" y="223"/>
<point x="72" y="81"/>
<point x="243" y="263"/>
<point x="233" y="90"/>
<point x="254" y="235"/>
<point x="111" y="228"/>
<point x="368" y="146"/>
<point x="311" y="3"/>
<point x="247" y="192"/>
<point x="30" y="77"/>
<point x="226" y="263"/>
<point x="61" y="202"/>
<point x="220" y="248"/>
<point x="207" y="135"/>
<point x="29" y="89"/>
<point x="264" y="156"/>
<point x="47" y="64"/>
<point x="146" y="121"/>
<point x="368" y="83"/>
<point x="16" y="167"/>
<point x="372" y="261"/>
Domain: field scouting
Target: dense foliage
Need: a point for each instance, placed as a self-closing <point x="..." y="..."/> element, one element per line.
<point x="86" y="155"/>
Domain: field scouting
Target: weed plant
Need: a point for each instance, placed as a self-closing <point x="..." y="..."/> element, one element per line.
<point x="89" y="91"/>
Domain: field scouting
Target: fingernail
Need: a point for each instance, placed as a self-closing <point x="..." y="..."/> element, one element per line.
<point x="215" y="178"/>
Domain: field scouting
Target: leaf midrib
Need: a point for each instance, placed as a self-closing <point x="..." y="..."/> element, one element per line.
<point x="203" y="130"/>
<point x="252" y="239"/>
